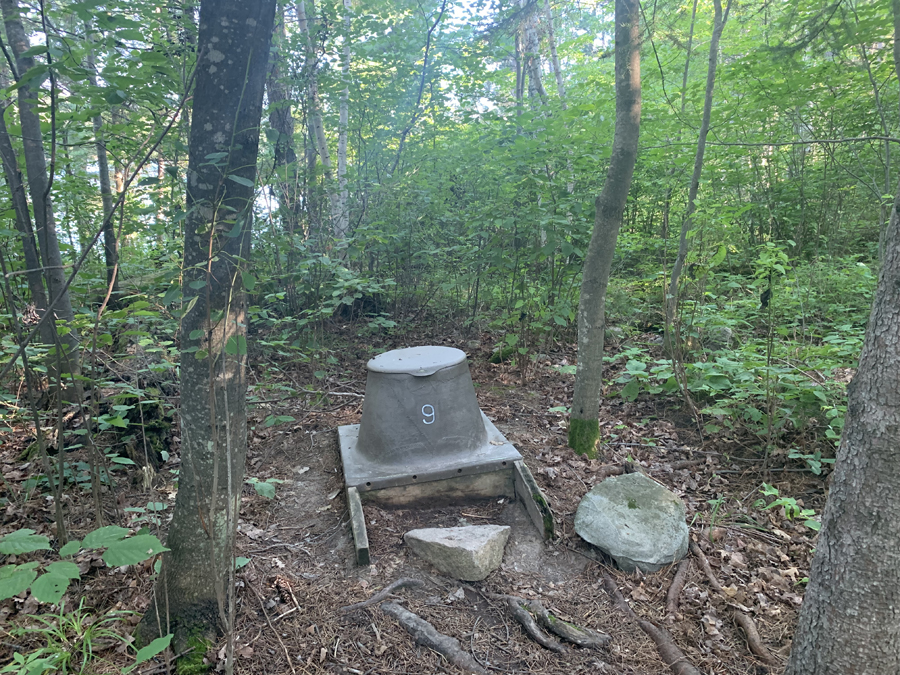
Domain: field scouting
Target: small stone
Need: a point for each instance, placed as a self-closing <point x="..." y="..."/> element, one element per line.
<point x="464" y="553"/>
<point x="635" y="520"/>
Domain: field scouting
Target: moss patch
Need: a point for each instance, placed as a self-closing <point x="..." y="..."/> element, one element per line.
<point x="192" y="663"/>
<point x="583" y="436"/>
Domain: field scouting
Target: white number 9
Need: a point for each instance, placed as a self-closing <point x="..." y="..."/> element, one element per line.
<point x="428" y="413"/>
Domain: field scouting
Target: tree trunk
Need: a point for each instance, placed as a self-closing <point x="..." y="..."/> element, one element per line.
<point x="672" y="295"/>
<point x="342" y="226"/>
<point x="110" y="245"/>
<point x="23" y="225"/>
<point x="849" y="624"/>
<point x="610" y="206"/>
<point x="192" y="594"/>
<point x="315" y="111"/>
<point x="554" y="57"/>
<point x="36" y="169"/>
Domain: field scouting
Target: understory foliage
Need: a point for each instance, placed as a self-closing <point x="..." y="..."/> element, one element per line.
<point x="469" y="181"/>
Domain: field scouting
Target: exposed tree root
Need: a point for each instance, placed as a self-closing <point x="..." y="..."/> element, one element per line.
<point x="403" y="582"/>
<point x="517" y="606"/>
<point x="670" y="653"/>
<point x="530" y="613"/>
<point x="742" y="619"/>
<point x="677" y="585"/>
<point x="427" y="635"/>
<point x="583" y="637"/>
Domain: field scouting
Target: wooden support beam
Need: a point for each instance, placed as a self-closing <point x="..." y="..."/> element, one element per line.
<point x="535" y="502"/>
<point x="358" y="526"/>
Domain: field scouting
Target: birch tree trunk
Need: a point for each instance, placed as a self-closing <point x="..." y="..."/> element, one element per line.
<point x="610" y="207"/>
<point x="672" y="296"/>
<point x="36" y="169"/>
<point x="193" y="597"/>
<point x="554" y="57"/>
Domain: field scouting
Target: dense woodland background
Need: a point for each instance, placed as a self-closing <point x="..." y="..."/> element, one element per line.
<point x="435" y="164"/>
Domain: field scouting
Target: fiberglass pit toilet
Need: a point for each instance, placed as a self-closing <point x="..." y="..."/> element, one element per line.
<point x="423" y="440"/>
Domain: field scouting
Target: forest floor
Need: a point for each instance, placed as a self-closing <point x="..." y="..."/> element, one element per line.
<point x="302" y="569"/>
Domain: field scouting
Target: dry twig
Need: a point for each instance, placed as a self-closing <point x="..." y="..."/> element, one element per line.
<point x="403" y="582"/>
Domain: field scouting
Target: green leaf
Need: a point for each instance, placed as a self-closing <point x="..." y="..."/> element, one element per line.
<point x="23" y="541"/>
<point x="240" y="180"/>
<point x="154" y="648"/>
<point x="15" y="578"/>
<point x="236" y="344"/>
<point x="631" y="390"/>
<point x="64" y="568"/>
<point x="133" y="550"/>
<point x="104" y="536"/>
<point x="197" y="334"/>
<point x="240" y="562"/>
<point x="249" y="281"/>
<point x="718" y="257"/>
<point x="122" y="460"/>
<point x="50" y="587"/>
<point x="71" y="548"/>
<point x="33" y="51"/>
<point x="264" y="489"/>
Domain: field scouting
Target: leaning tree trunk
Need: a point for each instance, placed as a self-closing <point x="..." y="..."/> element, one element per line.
<point x="672" y="296"/>
<point x="849" y="623"/>
<point x="192" y="594"/>
<point x="584" y="430"/>
<point x="38" y="180"/>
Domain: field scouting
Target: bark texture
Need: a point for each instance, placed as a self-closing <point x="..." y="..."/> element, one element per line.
<point x="610" y="207"/>
<point x="850" y="620"/>
<point x="190" y="597"/>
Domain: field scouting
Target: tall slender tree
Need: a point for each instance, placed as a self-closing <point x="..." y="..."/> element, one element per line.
<point x="584" y="428"/>
<point x="38" y="177"/>
<point x="192" y="598"/>
<point x="719" y="20"/>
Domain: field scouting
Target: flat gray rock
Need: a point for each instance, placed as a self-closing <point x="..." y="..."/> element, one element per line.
<point x="465" y="553"/>
<point x="635" y="520"/>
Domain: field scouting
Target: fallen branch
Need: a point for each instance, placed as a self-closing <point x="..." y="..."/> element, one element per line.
<point x="668" y="651"/>
<point x="404" y="582"/>
<point x="677" y="586"/>
<point x="741" y="618"/>
<point x="427" y="635"/>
